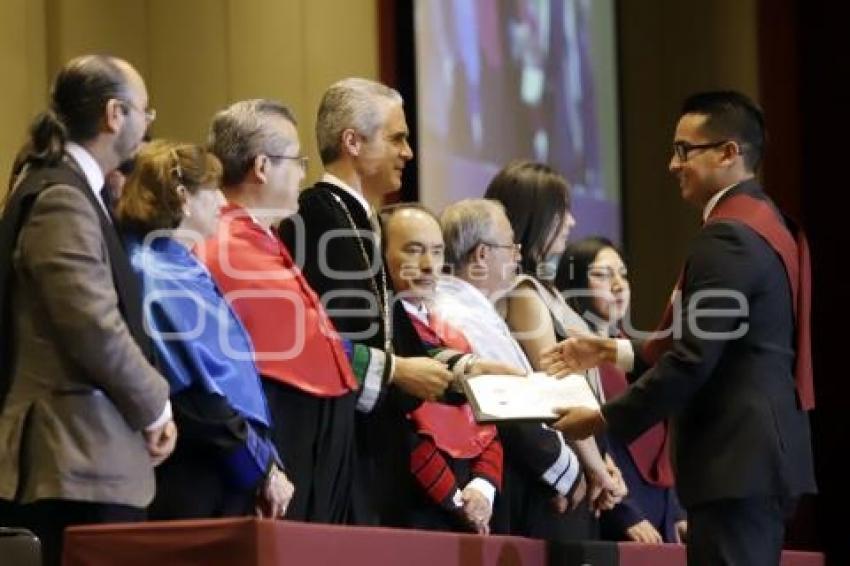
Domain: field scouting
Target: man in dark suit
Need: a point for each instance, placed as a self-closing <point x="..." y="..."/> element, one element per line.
<point x="85" y="416"/>
<point x="735" y="375"/>
<point x="363" y="142"/>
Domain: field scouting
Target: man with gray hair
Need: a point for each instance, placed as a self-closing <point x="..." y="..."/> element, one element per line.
<point x="543" y="477"/>
<point x="314" y="381"/>
<point x="363" y="142"/>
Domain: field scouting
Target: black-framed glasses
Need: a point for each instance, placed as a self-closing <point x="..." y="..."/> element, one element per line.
<point x="681" y="149"/>
<point x="149" y="113"/>
<point x="302" y="160"/>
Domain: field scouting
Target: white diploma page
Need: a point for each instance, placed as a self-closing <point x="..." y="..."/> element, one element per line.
<point x="535" y="397"/>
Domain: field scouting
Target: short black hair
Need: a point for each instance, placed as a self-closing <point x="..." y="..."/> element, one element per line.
<point x="734" y="116"/>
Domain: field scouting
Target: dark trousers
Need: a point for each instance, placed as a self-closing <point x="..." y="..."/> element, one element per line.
<point x="190" y="485"/>
<point x="737" y="532"/>
<point x="525" y="508"/>
<point x="48" y="518"/>
<point x="315" y="439"/>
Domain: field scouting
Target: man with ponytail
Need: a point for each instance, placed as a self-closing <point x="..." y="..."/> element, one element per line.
<point x="85" y="416"/>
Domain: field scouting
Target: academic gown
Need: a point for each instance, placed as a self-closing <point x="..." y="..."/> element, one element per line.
<point x="314" y="380"/>
<point x="223" y="451"/>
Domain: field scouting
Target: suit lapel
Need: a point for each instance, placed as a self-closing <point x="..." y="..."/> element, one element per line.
<point x="127" y="285"/>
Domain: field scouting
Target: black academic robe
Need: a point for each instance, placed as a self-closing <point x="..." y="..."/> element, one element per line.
<point x="346" y="269"/>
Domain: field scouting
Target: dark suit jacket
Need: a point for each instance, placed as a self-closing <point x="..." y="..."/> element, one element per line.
<point x="81" y="385"/>
<point x="737" y="427"/>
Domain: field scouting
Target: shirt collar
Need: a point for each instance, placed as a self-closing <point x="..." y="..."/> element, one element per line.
<point x="334" y="180"/>
<point x="713" y="202"/>
<point x="91" y="170"/>
<point x="236" y="211"/>
<point x="420" y="311"/>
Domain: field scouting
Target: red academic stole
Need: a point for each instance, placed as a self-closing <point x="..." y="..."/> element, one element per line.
<point x="294" y="340"/>
<point x="760" y="217"/>
<point x="650" y="451"/>
<point x="452" y="428"/>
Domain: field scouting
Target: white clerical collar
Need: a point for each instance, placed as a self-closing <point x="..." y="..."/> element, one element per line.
<point x="420" y="311"/>
<point x="334" y="180"/>
<point x="714" y="200"/>
<point x="91" y="170"/>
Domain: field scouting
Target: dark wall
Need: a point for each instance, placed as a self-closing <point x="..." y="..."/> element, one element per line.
<point x="801" y="84"/>
<point x="669" y="49"/>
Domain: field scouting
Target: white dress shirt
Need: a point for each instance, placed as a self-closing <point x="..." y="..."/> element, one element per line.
<point x="91" y="170"/>
<point x="336" y="181"/>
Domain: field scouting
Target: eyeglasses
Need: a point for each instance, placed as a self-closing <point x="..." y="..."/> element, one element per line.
<point x="606" y="274"/>
<point x="302" y="160"/>
<point x="517" y="248"/>
<point x="150" y="113"/>
<point x="681" y="149"/>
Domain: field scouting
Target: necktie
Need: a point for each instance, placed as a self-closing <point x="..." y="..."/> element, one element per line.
<point x="106" y="199"/>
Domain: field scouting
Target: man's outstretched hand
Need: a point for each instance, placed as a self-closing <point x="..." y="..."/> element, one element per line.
<point x="577" y="353"/>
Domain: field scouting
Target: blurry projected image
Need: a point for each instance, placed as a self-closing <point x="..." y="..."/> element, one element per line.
<point x="500" y="80"/>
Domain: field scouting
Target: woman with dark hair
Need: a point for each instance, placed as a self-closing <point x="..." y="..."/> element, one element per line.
<point x="536" y="199"/>
<point x="223" y="464"/>
<point x="593" y="278"/>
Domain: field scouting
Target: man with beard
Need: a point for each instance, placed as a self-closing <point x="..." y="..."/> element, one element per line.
<point x="85" y="416"/>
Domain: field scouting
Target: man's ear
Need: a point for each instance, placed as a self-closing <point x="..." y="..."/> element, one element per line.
<point x="260" y="168"/>
<point x="731" y="151"/>
<point x="480" y="252"/>
<point x="352" y="142"/>
<point x="114" y="115"/>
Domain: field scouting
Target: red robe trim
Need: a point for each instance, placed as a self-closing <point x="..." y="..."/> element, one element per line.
<point x="452" y="428"/>
<point x="763" y="219"/>
<point x="295" y="341"/>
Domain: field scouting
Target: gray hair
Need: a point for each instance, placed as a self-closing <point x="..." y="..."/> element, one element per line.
<point x="466" y="224"/>
<point x="240" y="132"/>
<point x="359" y="104"/>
